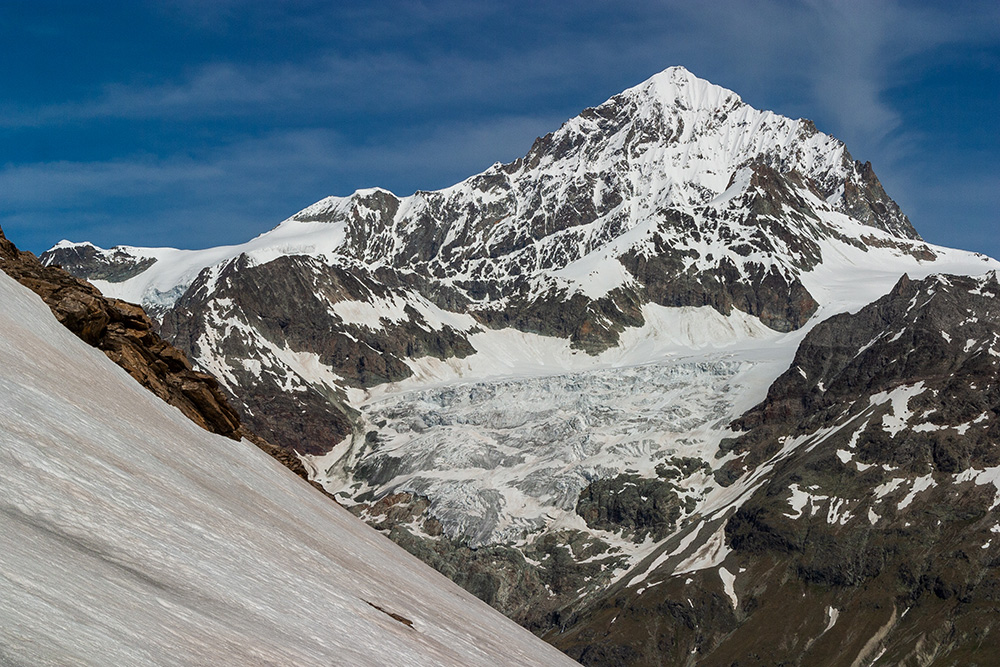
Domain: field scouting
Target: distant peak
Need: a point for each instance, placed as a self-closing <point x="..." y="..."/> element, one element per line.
<point x="74" y="244"/>
<point x="677" y="86"/>
<point x="368" y="192"/>
<point x="677" y="73"/>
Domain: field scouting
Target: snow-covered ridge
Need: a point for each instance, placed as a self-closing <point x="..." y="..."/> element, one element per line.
<point x="175" y="270"/>
<point x="711" y="132"/>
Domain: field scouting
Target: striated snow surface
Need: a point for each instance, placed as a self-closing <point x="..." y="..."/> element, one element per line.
<point x="132" y="537"/>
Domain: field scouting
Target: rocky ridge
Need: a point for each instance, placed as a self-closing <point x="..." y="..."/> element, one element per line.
<point x="127" y="336"/>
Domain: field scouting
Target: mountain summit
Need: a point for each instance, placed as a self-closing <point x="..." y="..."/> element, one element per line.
<point x="674" y="155"/>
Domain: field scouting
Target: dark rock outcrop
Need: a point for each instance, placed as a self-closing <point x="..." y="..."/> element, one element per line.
<point x="127" y="336"/>
<point x="637" y="506"/>
<point x="85" y="260"/>
<point x="291" y="304"/>
<point x="938" y="331"/>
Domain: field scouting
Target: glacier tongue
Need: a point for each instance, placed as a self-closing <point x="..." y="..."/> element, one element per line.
<point x="503" y="442"/>
<point x="499" y="457"/>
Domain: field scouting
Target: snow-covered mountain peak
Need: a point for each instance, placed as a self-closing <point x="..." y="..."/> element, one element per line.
<point x="661" y="167"/>
<point x="682" y="138"/>
<point x="679" y="88"/>
<point x="65" y="243"/>
<point x="551" y="331"/>
<point x="673" y="193"/>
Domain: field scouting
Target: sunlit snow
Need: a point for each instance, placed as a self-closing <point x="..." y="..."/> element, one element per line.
<point x="131" y="536"/>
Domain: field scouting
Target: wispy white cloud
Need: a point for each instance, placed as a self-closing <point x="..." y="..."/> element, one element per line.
<point x="230" y="192"/>
<point x="393" y="111"/>
<point x="809" y="55"/>
<point x="834" y="58"/>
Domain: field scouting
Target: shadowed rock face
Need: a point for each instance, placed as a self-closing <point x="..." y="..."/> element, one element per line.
<point x="872" y="531"/>
<point x="87" y="261"/>
<point x="639" y="507"/>
<point x="272" y="333"/>
<point x="936" y="331"/>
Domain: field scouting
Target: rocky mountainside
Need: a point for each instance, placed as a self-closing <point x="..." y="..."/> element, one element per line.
<point x="674" y="193"/>
<point x="538" y="380"/>
<point x="863" y="524"/>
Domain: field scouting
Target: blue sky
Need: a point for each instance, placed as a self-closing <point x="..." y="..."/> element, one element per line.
<point x="197" y="123"/>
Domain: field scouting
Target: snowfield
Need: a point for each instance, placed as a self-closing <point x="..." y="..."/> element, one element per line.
<point x="133" y="537"/>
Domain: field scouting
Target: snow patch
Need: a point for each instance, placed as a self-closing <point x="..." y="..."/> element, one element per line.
<point x="919" y="484"/>
<point x="709" y="555"/>
<point x="896" y="420"/>
<point x="729" y="586"/>
<point x="981" y="477"/>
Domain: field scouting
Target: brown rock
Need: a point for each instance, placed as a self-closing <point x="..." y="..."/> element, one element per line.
<point x="125" y="334"/>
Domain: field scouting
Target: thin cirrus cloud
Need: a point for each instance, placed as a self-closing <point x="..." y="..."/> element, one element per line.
<point x="842" y="54"/>
<point x="238" y="190"/>
<point x="384" y="84"/>
<point x="421" y="95"/>
<point x="256" y="164"/>
<point x="836" y="59"/>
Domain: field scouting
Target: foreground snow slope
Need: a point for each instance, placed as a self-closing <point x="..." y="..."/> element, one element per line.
<point x="131" y="536"/>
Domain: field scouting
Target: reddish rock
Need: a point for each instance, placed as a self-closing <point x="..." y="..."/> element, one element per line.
<point x="125" y="334"/>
